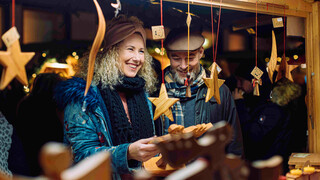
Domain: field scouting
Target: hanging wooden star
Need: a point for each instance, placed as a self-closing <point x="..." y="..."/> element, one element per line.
<point x="163" y="103"/>
<point x="284" y="70"/>
<point x="213" y="84"/>
<point x="14" y="61"/>
<point x="273" y="59"/>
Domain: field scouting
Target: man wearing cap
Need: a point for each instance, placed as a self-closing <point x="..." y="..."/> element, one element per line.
<point x="194" y="110"/>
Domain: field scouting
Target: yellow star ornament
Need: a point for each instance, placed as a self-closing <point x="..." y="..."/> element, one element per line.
<point x="163" y="103"/>
<point x="14" y="61"/>
<point x="213" y="84"/>
<point x="284" y="70"/>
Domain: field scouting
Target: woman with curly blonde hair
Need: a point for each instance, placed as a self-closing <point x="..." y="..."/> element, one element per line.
<point x="107" y="69"/>
<point x="117" y="117"/>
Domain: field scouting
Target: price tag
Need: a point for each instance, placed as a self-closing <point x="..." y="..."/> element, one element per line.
<point x="301" y="155"/>
<point x="257" y="73"/>
<point x="10" y="36"/>
<point x="218" y="68"/>
<point x="277" y="22"/>
<point x="158" y="32"/>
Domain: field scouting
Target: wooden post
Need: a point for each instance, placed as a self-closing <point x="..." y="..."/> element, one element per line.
<point x="313" y="76"/>
<point x="309" y="62"/>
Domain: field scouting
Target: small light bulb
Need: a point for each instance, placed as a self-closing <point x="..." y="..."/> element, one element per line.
<point x="157" y="50"/>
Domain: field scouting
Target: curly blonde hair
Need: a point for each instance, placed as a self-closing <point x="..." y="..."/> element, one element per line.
<point x="107" y="69"/>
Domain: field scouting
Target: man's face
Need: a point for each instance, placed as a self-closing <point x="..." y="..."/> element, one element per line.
<point x="179" y="64"/>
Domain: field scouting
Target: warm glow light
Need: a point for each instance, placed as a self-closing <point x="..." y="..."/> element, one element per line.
<point x="267" y="60"/>
<point x="34" y="75"/>
<point x="76" y="57"/>
<point x="303" y="66"/>
<point x="157" y="50"/>
<point x="206" y="43"/>
<point x="295" y="57"/>
<point x="287" y="59"/>
<point x="74" y="53"/>
<point x="251" y="31"/>
<point x="162" y="51"/>
<point x="26" y="89"/>
<point x="44" y="54"/>
<point x="279" y="59"/>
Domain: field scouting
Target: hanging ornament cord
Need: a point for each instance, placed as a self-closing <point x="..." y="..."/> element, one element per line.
<point x="188" y="37"/>
<point x="256" y="39"/>
<point x="162" y="49"/>
<point x="214" y="49"/>
<point x="13" y="13"/>
<point x="255" y="72"/>
<point x="284" y="33"/>
<point x="187" y="82"/>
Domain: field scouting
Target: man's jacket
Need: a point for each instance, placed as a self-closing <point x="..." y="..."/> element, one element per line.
<point x="213" y="112"/>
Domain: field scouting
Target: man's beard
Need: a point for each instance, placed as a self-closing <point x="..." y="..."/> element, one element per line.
<point x="193" y="75"/>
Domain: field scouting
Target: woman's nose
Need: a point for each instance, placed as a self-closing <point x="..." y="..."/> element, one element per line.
<point x="136" y="56"/>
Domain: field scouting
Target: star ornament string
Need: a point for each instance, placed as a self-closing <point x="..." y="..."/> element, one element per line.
<point x="13" y="60"/>
<point x="284" y="70"/>
<point x="256" y="72"/>
<point x="213" y="83"/>
<point x="187" y="81"/>
<point x="163" y="103"/>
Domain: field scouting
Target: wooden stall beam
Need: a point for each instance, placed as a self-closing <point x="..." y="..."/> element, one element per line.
<point x="309" y="62"/>
<point x="313" y="76"/>
<point x="275" y="7"/>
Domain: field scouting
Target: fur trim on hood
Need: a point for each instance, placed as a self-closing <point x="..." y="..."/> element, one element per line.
<point x="72" y="91"/>
<point x="284" y="92"/>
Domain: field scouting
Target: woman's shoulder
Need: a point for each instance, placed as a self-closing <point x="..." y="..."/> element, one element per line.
<point x="72" y="91"/>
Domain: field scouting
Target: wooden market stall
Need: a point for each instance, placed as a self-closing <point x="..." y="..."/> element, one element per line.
<point x="310" y="10"/>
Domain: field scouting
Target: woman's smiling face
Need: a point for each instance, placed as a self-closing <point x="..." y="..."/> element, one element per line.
<point x="131" y="55"/>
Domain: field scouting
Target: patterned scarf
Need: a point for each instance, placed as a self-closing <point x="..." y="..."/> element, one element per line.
<point x="179" y="91"/>
<point x="5" y="141"/>
<point x="141" y="120"/>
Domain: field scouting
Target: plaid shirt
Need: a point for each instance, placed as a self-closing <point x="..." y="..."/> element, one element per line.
<point x="178" y="91"/>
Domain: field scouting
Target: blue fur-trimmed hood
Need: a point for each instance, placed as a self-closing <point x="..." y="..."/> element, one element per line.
<point x="72" y="91"/>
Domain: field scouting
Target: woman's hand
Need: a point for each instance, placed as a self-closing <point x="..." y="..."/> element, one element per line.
<point x="237" y="94"/>
<point x="141" y="150"/>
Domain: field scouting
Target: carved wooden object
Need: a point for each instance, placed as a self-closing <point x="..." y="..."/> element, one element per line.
<point x="163" y="103"/>
<point x="213" y="84"/>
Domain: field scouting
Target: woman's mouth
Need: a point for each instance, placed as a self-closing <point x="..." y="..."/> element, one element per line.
<point x="133" y="66"/>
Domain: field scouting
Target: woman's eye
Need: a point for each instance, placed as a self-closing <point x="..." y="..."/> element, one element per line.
<point x="130" y="49"/>
<point x="141" y="51"/>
